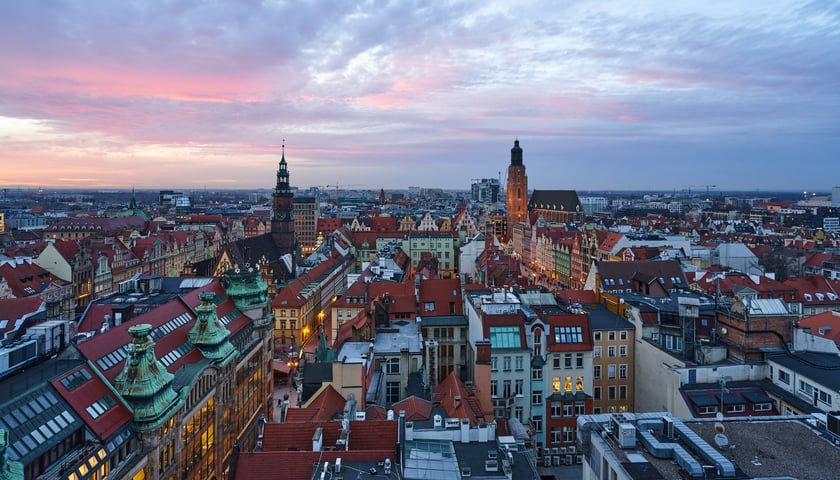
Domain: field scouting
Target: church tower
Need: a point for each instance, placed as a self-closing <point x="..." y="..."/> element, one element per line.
<point x="282" y="218"/>
<point x="517" y="190"/>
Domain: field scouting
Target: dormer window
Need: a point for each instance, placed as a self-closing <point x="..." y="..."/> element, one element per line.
<point x="807" y="296"/>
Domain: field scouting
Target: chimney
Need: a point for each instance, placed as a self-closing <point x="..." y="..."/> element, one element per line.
<point x="318" y="439"/>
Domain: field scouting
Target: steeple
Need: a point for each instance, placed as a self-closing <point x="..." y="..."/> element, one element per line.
<point x="144" y="383"/>
<point x="282" y="173"/>
<point x="208" y="334"/>
<point x="517" y="190"/>
<point x="282" y="213"/>
<point x="516" y="154"/>
<point x="132" y="204"/>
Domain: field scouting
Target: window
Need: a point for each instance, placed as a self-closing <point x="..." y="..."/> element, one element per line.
<point x="556" y="409"/>
<point x="392" y="366"/>
<point x="622" y="371"/>
<point x="611" y="336"/>
<point x="623" y="335"/>
<point x="735" y="408"/>
<point x="568" y="434"/>
<point x="568" y="409"/>
<point x="536" y="397"/>
<point x="597" y="351"/>
<point x="517" y="386"/>
<point x="596" y="393"/>
<point x="519" y="363"/>
<point x="611" y="351"/>
<point x="806" y="387"/>
<point x="506" y="363"/>
<point x="622" y="392"/>
<point x="580" y="408"/>
<point x="494" y="388"/>
<point x="596" y="372"/>
<point x="536" y="374"/>
<point x="568" y="335"/>
<point x="555" y="361"/>
<point x="429" y="306"/>
<point x="392" y="392"/>
<point x="762" y="407"/>
<point x="622" y="350"/>
<point x="556" y="435"/>
<point x="611" y="393"/>
<point x="518" y="411"/>
<point x="567" y="385"/>
<point x="579" y="360"/>
<point x="506" y="388"/>
<point x="567" y="360"/>
<point x="597" y="336"/>
<point x="784" y="377"/>
<point x="708" y="410"/>
<point x="610" y="371"/>
<point x="494" y="363"/>
<point x="824" y="397"/>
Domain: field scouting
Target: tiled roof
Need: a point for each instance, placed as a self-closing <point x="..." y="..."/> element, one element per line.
<point x="458" y="400"/>
<point x="24" y="277"/>
<point x="443" y="293"/>
<point x="415" y="408"/>
<point x="93" y="401"/>
<point x="324" y="405"/>
<point x="298" y="465"/>
<point x="12" y="310"/>
<point x="171" y="323"/>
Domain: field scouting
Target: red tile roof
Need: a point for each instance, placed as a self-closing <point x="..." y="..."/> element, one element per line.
<point x="364" y="435"/>
<point x="415" y="408"/>
<point x="102" y="345"/>
<point x="298" y="465"/>
<point x="458" y="400"/>
<point x="817" y="324"/>
<point x="444" y="294"/>
<point x="14" y="309"/>
<point x="91" y="391"/>
<point x="24" y="277"/>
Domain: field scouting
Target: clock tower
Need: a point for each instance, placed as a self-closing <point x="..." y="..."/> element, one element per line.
<point x="517" y="190"/>
<point x="282" y="218"/>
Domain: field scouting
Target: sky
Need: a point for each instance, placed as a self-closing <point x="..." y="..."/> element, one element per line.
<point x="603" y="95"/>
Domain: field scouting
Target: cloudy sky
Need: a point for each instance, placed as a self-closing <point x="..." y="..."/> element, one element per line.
<point x="602" y="94"/>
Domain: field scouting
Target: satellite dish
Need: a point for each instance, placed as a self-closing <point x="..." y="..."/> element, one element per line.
<point x="721" y="440"/>
<point x="719" y="416"/>
<point x="723" y="330"/>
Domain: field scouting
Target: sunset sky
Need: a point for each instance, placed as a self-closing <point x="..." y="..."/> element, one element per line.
<point x="602" y="94"/>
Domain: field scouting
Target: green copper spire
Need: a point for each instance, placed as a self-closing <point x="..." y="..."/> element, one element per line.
<point x="9" y="470"/>
<point x="208" y="334"/>
<point x="246" y="288"/>
<point x="144" y="383"/>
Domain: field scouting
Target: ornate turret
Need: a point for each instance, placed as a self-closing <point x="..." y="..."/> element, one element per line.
<point x="144" y="383"/>
<point x="248" y="290"/>
<point x="9" y="470"/>
<point x="208" y="334"/>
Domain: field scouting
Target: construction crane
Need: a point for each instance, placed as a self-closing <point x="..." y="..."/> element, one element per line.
<point x="708" y="187"/>
<point x="337" y="186"/>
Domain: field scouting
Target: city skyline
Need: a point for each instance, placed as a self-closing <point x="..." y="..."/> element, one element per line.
<point x="603" y="96"/>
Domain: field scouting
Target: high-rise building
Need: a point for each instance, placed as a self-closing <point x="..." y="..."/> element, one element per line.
<point x="306" y="213"/>
<point x="517" y="189"/>
<point x="485" y="190"/>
